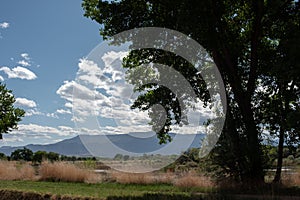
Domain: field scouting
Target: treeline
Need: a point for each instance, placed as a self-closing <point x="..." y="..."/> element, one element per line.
<point x="190" y="160"/>
<point x="26" y="154"/>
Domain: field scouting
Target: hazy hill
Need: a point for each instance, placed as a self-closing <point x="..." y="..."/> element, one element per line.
<point x="104" y="146"/>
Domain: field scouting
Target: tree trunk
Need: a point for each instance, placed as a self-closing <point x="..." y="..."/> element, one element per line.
<point x="236" y="145"/>
<point x="256" y="174"/>
<point x="284" y="108"/>
<point x="277" y="178"/>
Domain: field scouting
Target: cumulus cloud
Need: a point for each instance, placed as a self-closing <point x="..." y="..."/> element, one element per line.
<point x="35" y="128"/>
<point x="25" y="102"/>
<point x="52" y="115"/>
<point x="25" y="56"/>
<point x="95" y="91"/>
<point x="25" y="61"/>
<point x="19" y="72"/>
<point x="4" y="25"/>
<point x="102" y="95"/>
<point x="34" y="111"/>
<point x="62" y="111"/>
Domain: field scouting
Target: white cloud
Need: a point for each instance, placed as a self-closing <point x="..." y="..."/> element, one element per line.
<point x="1" y="79"/>
<point x="12" y="139"/>
<point x="30" y="130"/>
<point x="24" y="63"/>
<point x="66" y="91"/>
<point x="32" y="112"/>
<point x="4" y="25"/>
<point x="96" y="93"/>
<point x="19" y="72"/>
<point x="35" y="128"/>
<point x="62" y="111"/>
<point x="25" y="102"/>
<point x="68" y="105"/>
<point x="102" y="92"/>
<point x="25" y="56"/>
<point x="52" y="115"/>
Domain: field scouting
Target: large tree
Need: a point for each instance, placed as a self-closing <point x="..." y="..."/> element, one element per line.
<point x="10" y="116"/>
<point x="241" y="38"/>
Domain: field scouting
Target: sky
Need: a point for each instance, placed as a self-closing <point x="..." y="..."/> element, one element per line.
<point x="68" y="80"/>
<point x="41" y="44"/>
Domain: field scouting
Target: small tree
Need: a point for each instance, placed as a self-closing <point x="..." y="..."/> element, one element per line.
<point x="118" y="157"/>
<point x="39" y="156"/>
<point x="22" y="154"/>
<point x="52" y="156"/>
<point x="3" y="156"/>
<point x="9" y="115"/>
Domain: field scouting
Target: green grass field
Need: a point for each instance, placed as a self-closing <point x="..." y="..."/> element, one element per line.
<point x="101" y="191"/>
<point x="117" y="191"/>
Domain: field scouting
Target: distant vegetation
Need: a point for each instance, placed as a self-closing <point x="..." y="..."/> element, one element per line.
<point x="186" y="176"/>
<point x="26" y="154"/>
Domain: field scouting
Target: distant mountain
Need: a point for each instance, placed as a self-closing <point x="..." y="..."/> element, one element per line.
<point x="68" y="147"/>
<point x="110" y="145"/>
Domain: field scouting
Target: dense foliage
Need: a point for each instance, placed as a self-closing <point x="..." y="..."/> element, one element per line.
<point x="254" y="45"/>
<point x="9" y="115"/>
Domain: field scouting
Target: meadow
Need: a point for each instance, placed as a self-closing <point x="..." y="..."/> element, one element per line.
<point x="63" y="180"/>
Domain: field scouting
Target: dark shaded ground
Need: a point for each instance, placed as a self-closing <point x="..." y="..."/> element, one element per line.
<point x="18" y="195"/>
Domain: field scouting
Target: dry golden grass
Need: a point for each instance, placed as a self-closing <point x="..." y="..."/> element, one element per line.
<point x="191" y="179"/>
<point x="141" y="178"/>
<point x="16" y="171"/>
<point x="61" y="171"/>
<point x="291" y="179"/>
<point x="186" y="180"/>
<point x="128" y="178"/>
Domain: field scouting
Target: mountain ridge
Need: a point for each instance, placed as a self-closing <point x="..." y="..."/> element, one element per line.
<point x="78" y="145"/>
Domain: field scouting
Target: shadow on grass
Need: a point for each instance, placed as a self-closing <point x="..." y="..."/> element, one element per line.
<point x="156" y="196"/>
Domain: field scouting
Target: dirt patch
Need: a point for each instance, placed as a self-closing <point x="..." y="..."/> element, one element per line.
<point x="18" y="195"/>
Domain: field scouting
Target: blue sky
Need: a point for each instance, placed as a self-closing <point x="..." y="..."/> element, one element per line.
<point x="41" y="43"/>
<point x="66" y="78"/>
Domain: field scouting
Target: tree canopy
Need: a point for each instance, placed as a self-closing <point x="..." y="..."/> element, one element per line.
<point x="10" y="116"/>
<point x="24" y="154"/>
<point x="254" y="45"/>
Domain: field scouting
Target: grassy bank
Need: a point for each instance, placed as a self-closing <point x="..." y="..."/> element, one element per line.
<point x="117" y="191"/>
<point x="101" y="190"/>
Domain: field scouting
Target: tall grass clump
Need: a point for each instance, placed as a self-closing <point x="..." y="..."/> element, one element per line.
<point x="16" y="171"/>
<point x="142" y="178"/>
<point x="292" y="179"/>
<point x="61" y="171"/>
<point x="191" y="179"/>
<point x="132" y="178"/>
